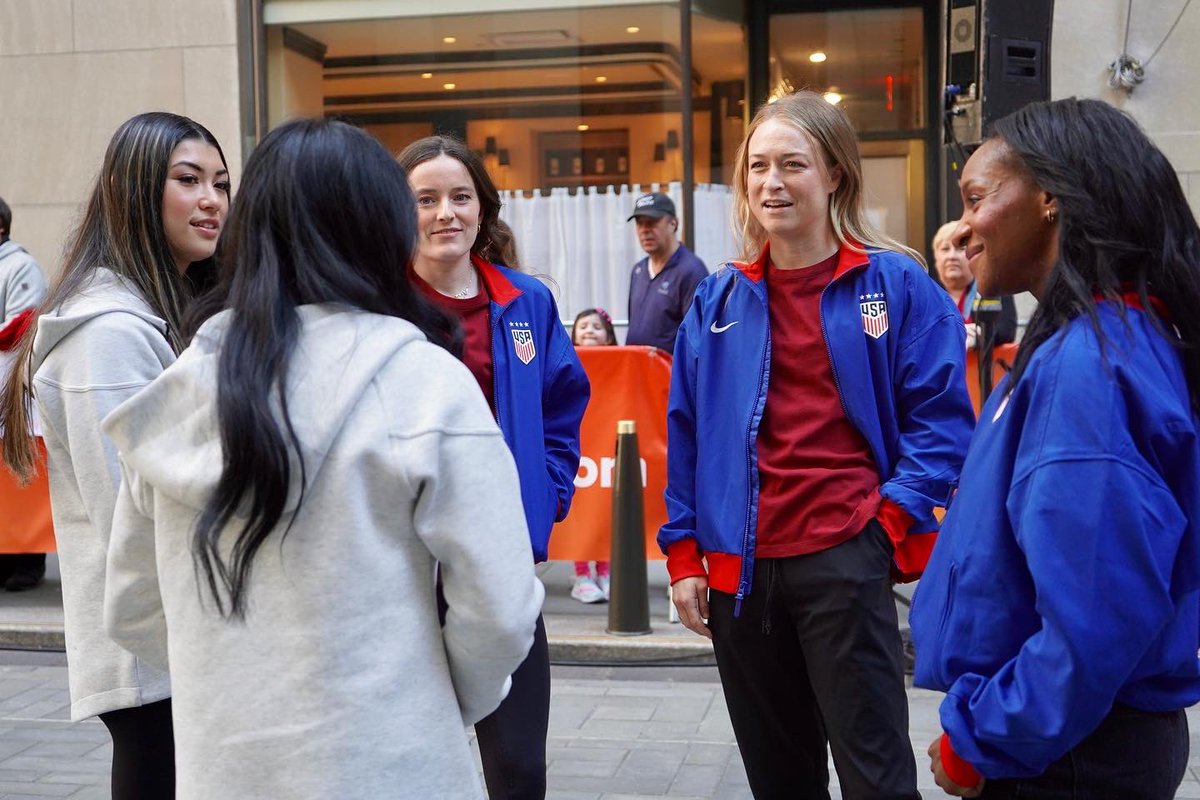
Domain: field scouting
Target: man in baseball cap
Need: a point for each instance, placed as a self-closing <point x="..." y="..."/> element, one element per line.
<point x="661" y="284"/>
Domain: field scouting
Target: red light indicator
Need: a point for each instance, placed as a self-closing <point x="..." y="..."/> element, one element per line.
<point x="890" y="83"/>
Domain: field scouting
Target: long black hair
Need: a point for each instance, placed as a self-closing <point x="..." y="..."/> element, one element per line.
<point x="1124" y="223"/>
<point x="324" y="215"/>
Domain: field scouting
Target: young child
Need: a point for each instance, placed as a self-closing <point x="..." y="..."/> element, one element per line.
<point x="592" y="327"/>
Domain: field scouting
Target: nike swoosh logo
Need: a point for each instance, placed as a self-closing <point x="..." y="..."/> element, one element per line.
<point x="723" y="328"/>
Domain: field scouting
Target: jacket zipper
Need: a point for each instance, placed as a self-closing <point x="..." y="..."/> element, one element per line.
<point x="496" y="330"/>
<point x="747" y="558"/>
<point x="837" y="384"/>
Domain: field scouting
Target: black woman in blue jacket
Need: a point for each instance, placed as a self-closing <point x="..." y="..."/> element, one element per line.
<point x="1060" y="611"/>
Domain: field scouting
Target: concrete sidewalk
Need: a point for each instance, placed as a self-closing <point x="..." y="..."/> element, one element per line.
<point x="33" y="620"/>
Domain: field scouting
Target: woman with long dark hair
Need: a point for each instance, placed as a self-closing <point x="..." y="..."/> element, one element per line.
<point x="526" y="367"/>
<point x="290" y="482"/>
<point x="818" y="413"/>
<point x="110" y="325"/>
<point x="1060" y="611"/>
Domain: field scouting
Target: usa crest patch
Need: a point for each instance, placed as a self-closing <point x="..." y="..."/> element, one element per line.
<point x="874" y="311"/>
<point x="523" y="344"/>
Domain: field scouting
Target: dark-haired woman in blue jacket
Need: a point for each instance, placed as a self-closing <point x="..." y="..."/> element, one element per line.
<point x="1060" y="611"/>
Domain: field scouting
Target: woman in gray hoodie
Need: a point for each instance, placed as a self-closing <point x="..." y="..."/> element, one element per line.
<point x="109" y="326"/>
<point x="289" y="484"/>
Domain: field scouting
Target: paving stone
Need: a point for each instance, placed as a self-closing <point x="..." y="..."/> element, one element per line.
<point x="638" y="713"/>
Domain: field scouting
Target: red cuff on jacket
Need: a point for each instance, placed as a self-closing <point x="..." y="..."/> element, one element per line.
<point x="957" y="768"/>
<point x="912" y="549"/>
<point x="895" y="521"/>
<point x="684" y="560"/>
<point x="10" y="334"/>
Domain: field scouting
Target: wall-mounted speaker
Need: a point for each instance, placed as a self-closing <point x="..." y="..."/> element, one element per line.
<point x="997" y="58"/>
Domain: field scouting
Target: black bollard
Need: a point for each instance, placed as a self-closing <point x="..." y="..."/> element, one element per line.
<point x="629" y="595"/>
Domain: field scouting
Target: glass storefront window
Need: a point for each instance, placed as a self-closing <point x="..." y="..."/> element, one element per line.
<point x="563" y="104"/>
<point x="870" y="62"/>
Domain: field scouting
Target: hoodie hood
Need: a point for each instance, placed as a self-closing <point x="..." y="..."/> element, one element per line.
<point x="168" y="434"/>
<point x="8" y="247"/>
<point x="104" y="292"/>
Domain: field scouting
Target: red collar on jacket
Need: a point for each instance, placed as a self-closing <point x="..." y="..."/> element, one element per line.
<point x="1129" y="297"/>
<point x="848" y="259"/>
<point x="499" y="287"/>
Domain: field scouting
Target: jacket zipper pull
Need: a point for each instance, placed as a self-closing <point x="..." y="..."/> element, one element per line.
<point x="737" y="600"/>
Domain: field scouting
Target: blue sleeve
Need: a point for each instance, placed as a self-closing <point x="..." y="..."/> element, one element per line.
<point x="935" y="416"/>
<point x="565" y="395"/>
<point x="680" y="494"/>
<point x="1100" y="531"/>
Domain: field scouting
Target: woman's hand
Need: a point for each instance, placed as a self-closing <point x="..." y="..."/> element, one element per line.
<point x="691" y="600"/>
<point x="942" y="779"/>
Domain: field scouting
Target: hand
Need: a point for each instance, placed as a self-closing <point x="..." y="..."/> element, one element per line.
<point x="943" y="780"/>
<point x="691" y="600"/>
<point x="972" y="335"/>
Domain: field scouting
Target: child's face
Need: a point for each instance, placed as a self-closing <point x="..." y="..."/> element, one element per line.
<point x="590" y="331"/>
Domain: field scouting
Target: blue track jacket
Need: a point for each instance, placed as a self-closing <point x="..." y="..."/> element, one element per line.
<point x="541" y="392"/>
<point x="897" y="346"/>
<point x="1067" y="576"/>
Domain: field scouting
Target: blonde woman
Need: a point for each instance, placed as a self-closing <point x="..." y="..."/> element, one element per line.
<point x="818" y="413"/>
<point x="109" y="326"/>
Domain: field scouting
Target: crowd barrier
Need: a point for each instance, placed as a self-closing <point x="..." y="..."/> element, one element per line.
<point x="25" y="525"/>
<point x="627" y="383"/>
<point x="1003" y="356"/>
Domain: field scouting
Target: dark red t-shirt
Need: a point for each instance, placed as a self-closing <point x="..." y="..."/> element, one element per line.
<point x="476" y="322"/>
<point x="818" y="483"/>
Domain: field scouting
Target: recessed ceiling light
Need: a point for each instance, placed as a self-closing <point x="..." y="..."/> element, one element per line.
<point x="817" y="57"/>
<point x="633" y="29"/>
<point x="581" y="127"/>
<point x="833" y="98"/>
<point x="601" y="79"/>
<point x="426" y="75"/>
<point x="449" y="85"/>
<point x="449" y="39"/>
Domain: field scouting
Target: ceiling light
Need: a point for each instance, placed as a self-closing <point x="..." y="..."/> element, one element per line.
<point x="833" y="98"/>
<point x="452" y="85"/>
<point x="601" y="79"/>
<point x="581" y="127"/>
<point x="633" y="29"/>
<point x="426" y="75"/>
<point x="817" y="57"/>
<point x="448" y="40"/>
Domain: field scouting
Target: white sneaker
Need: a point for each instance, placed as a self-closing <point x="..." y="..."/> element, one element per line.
<point x="585" y="590"/>
<point x="604" y="583"/>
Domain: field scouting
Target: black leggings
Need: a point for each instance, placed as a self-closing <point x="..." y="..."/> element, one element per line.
<point x="512" y="739"/>
<point x="143" y="764"/>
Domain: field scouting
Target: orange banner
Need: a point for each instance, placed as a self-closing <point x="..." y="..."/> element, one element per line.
<point x="627" y="383"/>
<point x="25" y="525"/>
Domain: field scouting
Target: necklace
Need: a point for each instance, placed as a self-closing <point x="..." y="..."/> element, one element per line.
<point x="470" y="290"/>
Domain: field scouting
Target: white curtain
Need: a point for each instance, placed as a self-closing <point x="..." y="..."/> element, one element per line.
<point x="585" y="248"/>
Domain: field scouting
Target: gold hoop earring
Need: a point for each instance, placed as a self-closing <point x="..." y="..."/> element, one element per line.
<point x="1051" y="216"/>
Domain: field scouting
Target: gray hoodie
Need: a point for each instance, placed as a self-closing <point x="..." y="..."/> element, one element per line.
<point x="22" y="284"/>
<point x="90" y="355"/>
<point x="340" y="682"/>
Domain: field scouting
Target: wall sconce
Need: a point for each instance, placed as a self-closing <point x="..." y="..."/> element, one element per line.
<point x="503" y="157"/>
<point x="660" y="152"/>
<point x="489" y="145"/>
<point x="672" y="140"/>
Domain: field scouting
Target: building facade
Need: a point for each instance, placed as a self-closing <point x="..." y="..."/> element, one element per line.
<point x="570" y="95"/>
